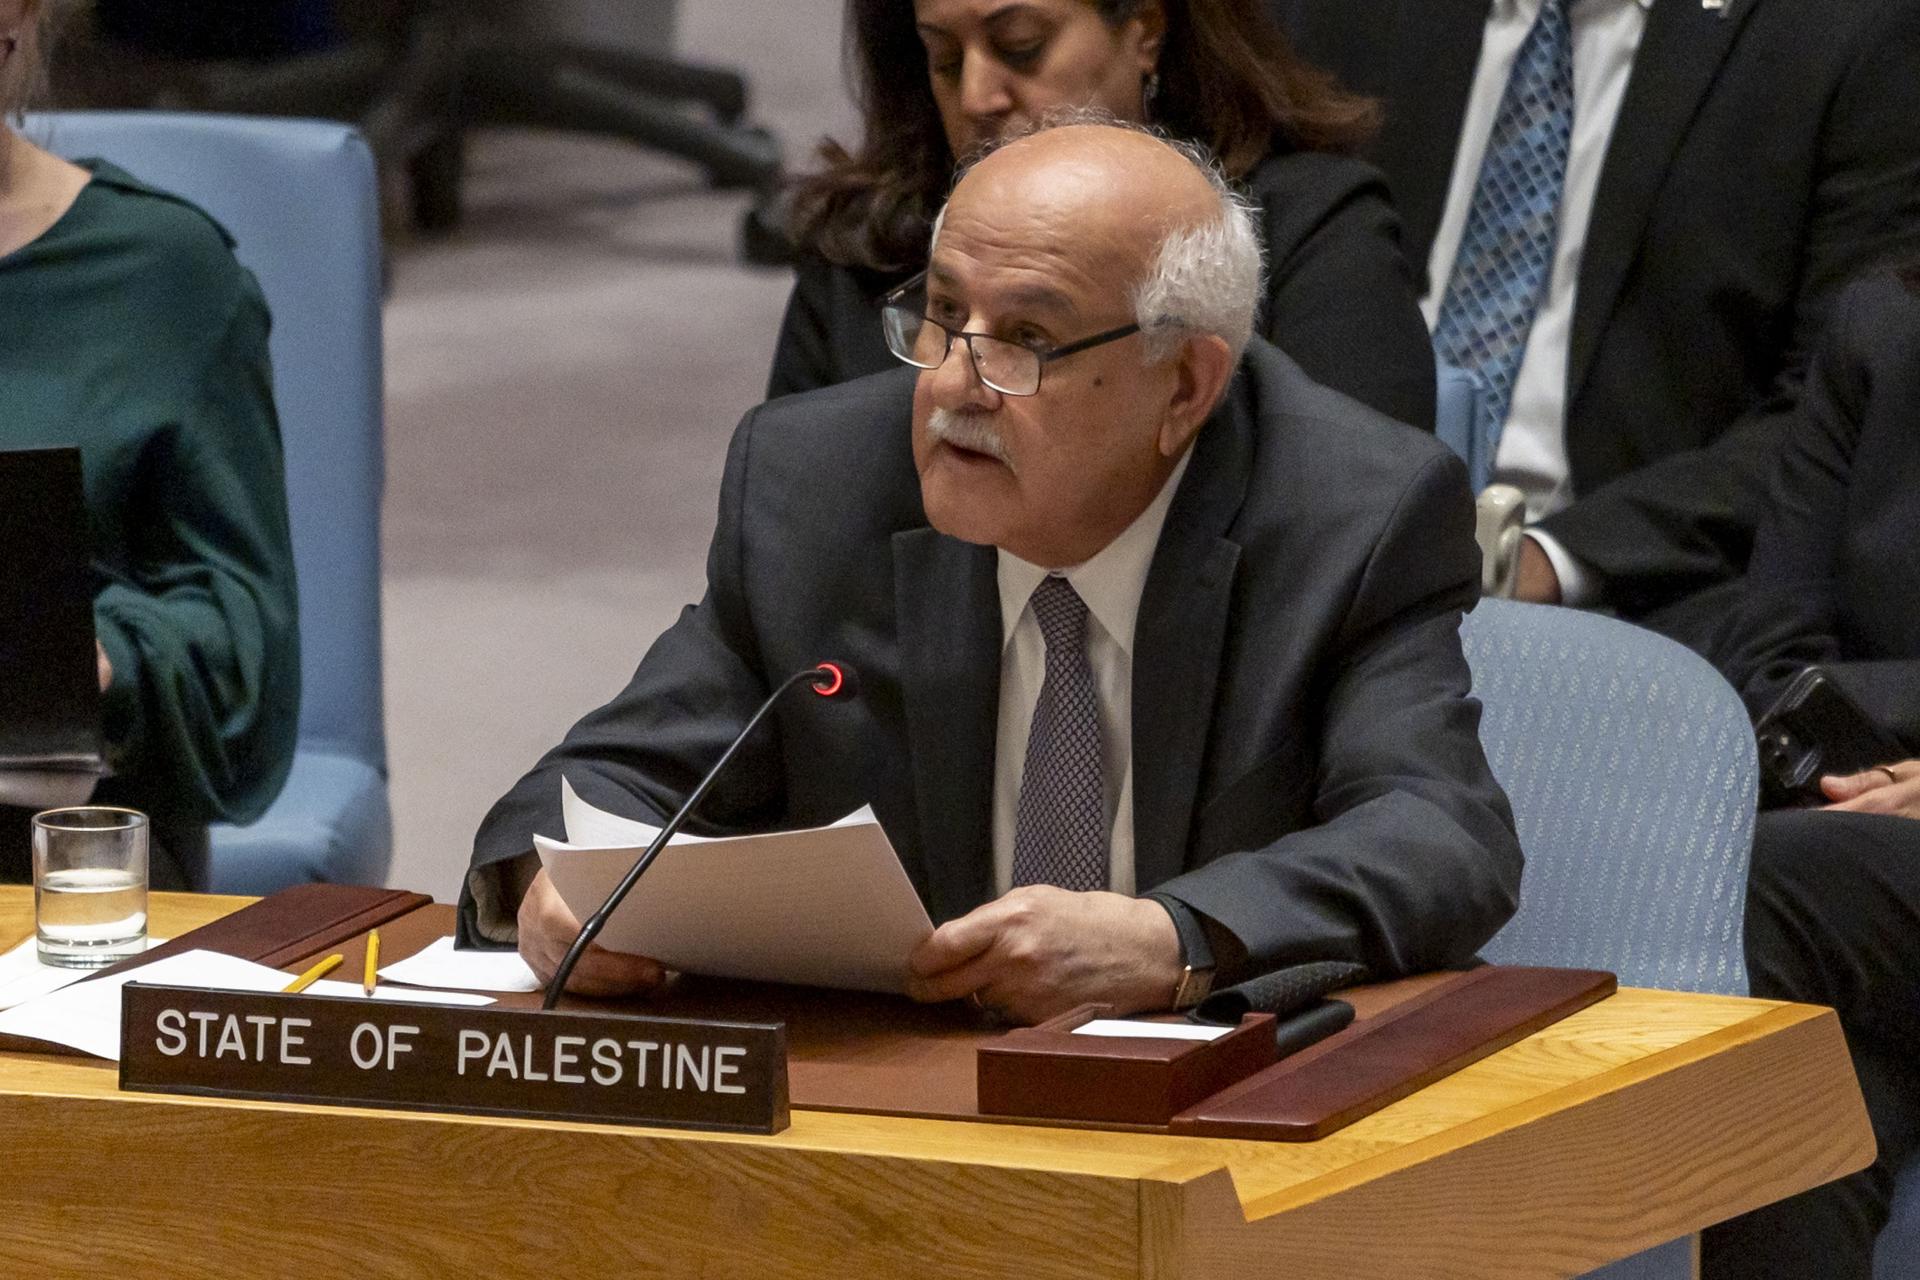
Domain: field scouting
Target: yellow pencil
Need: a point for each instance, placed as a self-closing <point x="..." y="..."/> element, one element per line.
<point x="373" y="961"/>
<point x="314" y="974"/>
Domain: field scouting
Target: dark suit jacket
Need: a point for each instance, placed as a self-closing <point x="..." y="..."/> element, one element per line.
<point x="1340" y="297"/>
<point x="1835" y="578"/>
<point x="1764" y="154"/>
<point x="1306" y="766"/>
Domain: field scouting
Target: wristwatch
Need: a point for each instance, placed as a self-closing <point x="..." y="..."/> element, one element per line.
<point x="1196" y="955"/>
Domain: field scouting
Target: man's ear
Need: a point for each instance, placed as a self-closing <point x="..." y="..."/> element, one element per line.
<point x="1201" y="371"/>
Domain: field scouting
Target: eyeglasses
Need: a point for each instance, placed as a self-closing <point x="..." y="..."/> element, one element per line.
<point x="1007" y="367"/>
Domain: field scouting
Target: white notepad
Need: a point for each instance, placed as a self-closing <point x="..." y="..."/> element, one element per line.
<point x="829" y="906"/>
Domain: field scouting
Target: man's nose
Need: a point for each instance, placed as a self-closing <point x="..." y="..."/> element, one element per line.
<point x="956" y="384"/>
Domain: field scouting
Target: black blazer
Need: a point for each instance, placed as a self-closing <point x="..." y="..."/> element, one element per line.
<point x="1765" y="153"/>
<point x="1340" y="298"/>
<point x="1835" y="577"/>
<point x="1306" y="765"/>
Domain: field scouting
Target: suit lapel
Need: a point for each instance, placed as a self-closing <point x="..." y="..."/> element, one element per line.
<point x="947" y="603"/>
<point x="1438" y="45"/>
<point x="1179" y="635"/>
<point x="1679" y="56"/>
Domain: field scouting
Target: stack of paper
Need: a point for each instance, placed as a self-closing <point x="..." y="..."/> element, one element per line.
<point x="830" y="906"/>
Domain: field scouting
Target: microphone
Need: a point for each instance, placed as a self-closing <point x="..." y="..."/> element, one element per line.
<point x="827" y="679"/>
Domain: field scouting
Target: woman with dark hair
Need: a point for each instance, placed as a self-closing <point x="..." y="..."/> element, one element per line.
<point x="1833" y="898"/>
<point x="128" y="330"/>
<point x="936" y="80"/>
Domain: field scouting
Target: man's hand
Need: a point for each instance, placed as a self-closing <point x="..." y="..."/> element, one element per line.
<point x="1535" y="581"/>
<point x="1890" y="789"/>
<point x="548" y="928"/>
<point x="1041" y="951"/>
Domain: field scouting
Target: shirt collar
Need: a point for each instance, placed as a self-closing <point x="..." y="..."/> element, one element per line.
<point x="1111" y="583"/>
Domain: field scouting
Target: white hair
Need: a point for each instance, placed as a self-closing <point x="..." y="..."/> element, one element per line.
<point x="1204" y="279"/>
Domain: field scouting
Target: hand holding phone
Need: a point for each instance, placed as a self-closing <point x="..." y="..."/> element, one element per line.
<point x="1813" y="731"/>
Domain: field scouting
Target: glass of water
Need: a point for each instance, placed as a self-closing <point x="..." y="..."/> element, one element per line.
<point x="90" y="885"/>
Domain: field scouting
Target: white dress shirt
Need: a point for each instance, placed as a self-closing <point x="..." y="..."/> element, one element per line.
<point x="1532" y="455"/>
<point x="1111" y="583"/>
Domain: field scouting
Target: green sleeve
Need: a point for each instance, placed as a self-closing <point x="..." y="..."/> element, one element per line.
<point x="204" y="701"/>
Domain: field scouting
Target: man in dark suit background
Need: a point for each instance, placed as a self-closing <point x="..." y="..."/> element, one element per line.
<point x="1833" y="898"/>
<point x="1131" y="612"/>
<point x="1728" y="164"/>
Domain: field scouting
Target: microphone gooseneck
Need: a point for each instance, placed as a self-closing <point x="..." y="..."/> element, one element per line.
<point x="827" y="679"/>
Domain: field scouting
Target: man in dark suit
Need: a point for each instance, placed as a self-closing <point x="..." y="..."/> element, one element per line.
<point x="1728" y="164"/>
<point x="1130" y="612"/>
<point x="1833" y="900"/>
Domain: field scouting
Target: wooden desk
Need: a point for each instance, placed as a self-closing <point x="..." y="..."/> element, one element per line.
<point x="1631" y="1123"/>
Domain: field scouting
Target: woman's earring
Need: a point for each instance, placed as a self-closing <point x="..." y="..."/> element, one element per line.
<point x="1149" y="93"/>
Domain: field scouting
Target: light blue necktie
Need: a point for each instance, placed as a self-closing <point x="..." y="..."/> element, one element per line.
<point x="1505" y="263"/>
<point x="1060" y="823"/>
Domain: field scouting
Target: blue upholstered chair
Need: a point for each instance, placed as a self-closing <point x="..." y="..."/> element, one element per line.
<point x="1631" y="767"/>
<point x="1632" y="771"/>
<point x="1460" y="420"/>
<point x="299" y="198"/>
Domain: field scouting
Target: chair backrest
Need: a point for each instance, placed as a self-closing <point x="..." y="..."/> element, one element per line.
<point x="1632" y="770"/>
<point x="300" y="199"/>
<point x="1460" y="420"/>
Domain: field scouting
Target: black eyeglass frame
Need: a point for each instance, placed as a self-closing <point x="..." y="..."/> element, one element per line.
<point x="894" y="301"/>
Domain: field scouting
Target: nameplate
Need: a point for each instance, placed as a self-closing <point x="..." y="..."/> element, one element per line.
<point x="608" y="1068"/>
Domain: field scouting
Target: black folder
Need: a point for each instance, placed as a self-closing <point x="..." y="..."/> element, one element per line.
<point x="49" y="681"/>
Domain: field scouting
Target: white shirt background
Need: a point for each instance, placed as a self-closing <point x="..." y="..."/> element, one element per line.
<point x="1532" y="455"/>
<point x="1111" y="583"/>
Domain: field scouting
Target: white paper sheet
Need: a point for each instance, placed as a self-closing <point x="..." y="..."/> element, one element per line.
<point x="1149" y="1030"/>
<point x="23" y="977"/>
<point x="408" y="995"/>
<point x="439" y="965"/>
<point x="86" y="1016"/>
<point x="830" y="906"/>
<point x="592" y="828"/>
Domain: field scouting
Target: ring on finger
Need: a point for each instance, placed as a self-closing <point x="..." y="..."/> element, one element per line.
<point x="1888" y="770"/>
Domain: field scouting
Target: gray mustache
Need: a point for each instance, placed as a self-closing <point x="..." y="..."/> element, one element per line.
<point x="967" y="431"/>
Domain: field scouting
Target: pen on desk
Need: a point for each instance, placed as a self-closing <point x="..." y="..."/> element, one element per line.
<point x="373" y="961"/>
<point x="314" y="974"/>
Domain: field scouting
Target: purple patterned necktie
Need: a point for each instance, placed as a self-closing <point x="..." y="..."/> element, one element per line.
<point x="1060" y="825"/>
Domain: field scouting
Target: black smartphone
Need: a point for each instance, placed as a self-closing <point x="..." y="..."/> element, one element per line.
<point x="1815" y="729"/>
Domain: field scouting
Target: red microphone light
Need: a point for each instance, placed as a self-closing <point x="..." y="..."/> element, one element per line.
<point x="831" y="681"/>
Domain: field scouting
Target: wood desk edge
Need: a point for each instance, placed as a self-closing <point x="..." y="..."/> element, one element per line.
<point x="1207" y="1177"/>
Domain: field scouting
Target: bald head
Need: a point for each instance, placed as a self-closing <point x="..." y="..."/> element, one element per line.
<point x="1120" y="206"/>
<point x="1102" y="164"/>
<point x="1118" y="191"/>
